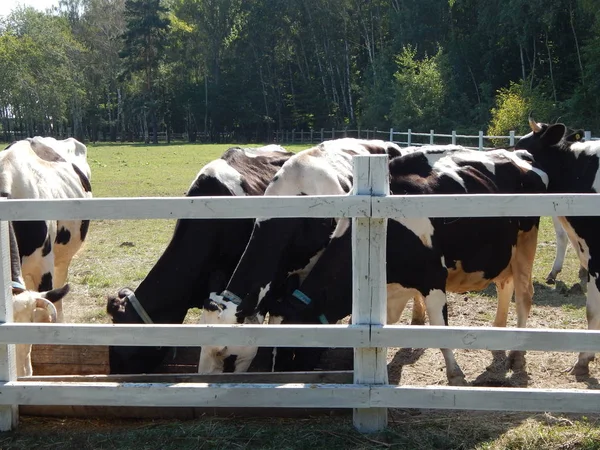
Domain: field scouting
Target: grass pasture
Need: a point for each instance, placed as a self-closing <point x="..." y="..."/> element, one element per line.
<point x="120" y="253"/>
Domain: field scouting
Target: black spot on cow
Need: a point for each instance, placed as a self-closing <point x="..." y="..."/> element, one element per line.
<point x="46" y="283"/>
<point x="83" y="231"/>
<point x="63" y="236"/>
<point x="31" y="235"/>
<point x="47" y="247"/>
<point x="344" y="184"/>
<point x="85" y="182"/>
<point x="229" y="364"/>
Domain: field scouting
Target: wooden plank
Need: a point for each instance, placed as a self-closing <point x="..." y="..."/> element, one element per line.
<point x="487" y="399"/>
<point x="9" y="413"/>
<point x="325" y="377"/>
<point x="140" y="412"/>
<point x="487" y="338"/>
<point x="69" y="359"/>
<point x="169" y="335"/>
<point x="369" y="285"/>
<point x="486" y="205"/>
<point x="187" y="207"/>
<point x="289" y="395"/>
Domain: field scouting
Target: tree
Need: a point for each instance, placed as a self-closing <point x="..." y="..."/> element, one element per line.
<point x="144" y="45"/>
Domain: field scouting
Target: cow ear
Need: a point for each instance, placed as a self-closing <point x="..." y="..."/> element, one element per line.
<point x="575" y="136"/>
<point x="553" y="134"/>
<point x="56" y="294"/>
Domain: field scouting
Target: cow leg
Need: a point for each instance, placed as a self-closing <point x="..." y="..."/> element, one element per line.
<point x="418" y="314"/>
<point x="436" y="303"/>
<point x="397" y="298"/>
<point x="505" y="290"/>
<point x="582" y="367"/>
<point x="522" y="270"/>
<point x="561" y="249"/>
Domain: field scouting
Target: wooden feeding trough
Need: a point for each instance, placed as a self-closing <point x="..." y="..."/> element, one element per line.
<point x="81" y="363"/>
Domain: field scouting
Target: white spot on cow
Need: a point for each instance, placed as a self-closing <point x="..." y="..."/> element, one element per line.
<point x="226" y="174"/>
<point x="254" y="152"/>
<point x="263" y="291"/>
<point x="341" y="228"/>
<point x="421" y="227"/>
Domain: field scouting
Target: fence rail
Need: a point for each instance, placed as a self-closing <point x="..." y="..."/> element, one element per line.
<point x="370" y="394"/>
<point x="406" y="138"/>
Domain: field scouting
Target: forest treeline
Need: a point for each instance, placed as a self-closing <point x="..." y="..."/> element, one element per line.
<point x="127" y="69"/>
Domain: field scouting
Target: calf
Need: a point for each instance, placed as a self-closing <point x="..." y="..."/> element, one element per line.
<point x="32" y="170"/>
<point x="430" y="256"/>
<point x="573" y="168"/>
<point x="199" y="259"/>
<point x="29" y="306"/>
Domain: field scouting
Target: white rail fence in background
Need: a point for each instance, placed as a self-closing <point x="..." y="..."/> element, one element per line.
<point x="407" y="138"/>
<point x="370" y="394"/>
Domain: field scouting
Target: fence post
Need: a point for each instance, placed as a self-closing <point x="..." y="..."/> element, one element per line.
<point x="453" y="137"/>
<point x="332" y="133"/>
<point x="293" y="133"/>
<point x="311" y="135"/>
<point x="302" y="136"/>
<point x="431" y="138"/>
<point x="345" y="132"/>
<point x="322" y="134"/>
<point x="587" y="135"/>
<point x="409" y="138"/>
<point x="369" y="293"/>
<point x="391" y="135"/>
<point x="9" y="414"/>
<point x="511" y="138"/>
<point x="480" y="140"/>
<point x="358" y="132"/>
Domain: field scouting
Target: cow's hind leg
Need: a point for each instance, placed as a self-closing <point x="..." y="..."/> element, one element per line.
<point x="522" y="270"/>
<point x="561" y="249"/>
<point x="582" y="367"/>
<point x="436" y="304"/>
<point x="418" y="313"/>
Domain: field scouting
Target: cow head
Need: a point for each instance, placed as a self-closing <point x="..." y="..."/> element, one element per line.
<point x="34" y="307"/>
<point x="544" y="135"/>
<point x="219" y="359"/>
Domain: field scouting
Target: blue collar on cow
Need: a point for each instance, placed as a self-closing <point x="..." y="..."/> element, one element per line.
<point x="307" y="301"/>
<point x="17" y="285"/>
<point x="133" y="300"/>
<point x="302" y="297"/>
<point x="230" y="296"/>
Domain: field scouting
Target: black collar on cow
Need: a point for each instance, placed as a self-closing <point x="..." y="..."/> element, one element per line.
<point x="228" y="295"/>
<point x="299" y="295"/>
<point x="133" y="300"/>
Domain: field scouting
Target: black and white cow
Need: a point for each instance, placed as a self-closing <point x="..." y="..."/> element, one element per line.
<point x="29" y="169"/>
<point x="29" y="306"/>
<point x="199" y="259"/>
<point x="430" y="257"/>
<point x="281" y="248"/>
<point x="573" y="168"/>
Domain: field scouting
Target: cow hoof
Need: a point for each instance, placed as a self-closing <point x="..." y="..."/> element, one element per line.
<point x="457" y="380"/>
<point x="579" y="370"/>
<point x="551" y="280"/>
<point x="417" y="322"/>
<point x="516" y="361"/>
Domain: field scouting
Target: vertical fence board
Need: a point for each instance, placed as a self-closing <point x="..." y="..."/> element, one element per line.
<point x="369" y="298"/>
<point x="9" y="414"/>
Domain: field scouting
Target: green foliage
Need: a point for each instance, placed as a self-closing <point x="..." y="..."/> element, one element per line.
<point x="513" y="106"/>
<point x="420" y="90"/>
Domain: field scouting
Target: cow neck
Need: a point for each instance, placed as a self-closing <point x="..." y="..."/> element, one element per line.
<point x="565" y="171"/>
<point x="166" y="292"/>
<point x="262" y="260"/>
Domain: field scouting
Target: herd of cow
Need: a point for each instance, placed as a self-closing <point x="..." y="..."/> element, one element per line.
<point x="299" y="270"/>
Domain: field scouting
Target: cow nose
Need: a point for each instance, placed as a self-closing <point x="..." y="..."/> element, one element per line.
<point x="211" y="305"/>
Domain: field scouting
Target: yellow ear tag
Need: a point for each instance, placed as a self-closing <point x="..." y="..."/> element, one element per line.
<point x="577" y="136"/>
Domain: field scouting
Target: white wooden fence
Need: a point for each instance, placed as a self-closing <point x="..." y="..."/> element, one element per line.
<point x="407" y="138"/>
<point x="370" y="394"/>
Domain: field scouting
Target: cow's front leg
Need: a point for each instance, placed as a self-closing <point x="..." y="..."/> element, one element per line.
<point x="582" y="367"/>
<point x="436" y="303"/>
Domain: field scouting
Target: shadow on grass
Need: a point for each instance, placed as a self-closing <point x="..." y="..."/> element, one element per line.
<point x="558" y="295"/>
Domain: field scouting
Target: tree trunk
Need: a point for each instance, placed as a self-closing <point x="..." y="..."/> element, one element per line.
<point x="551" y="71"/>
<point x="522" y="62"/>
<point x="572" y="20"/>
